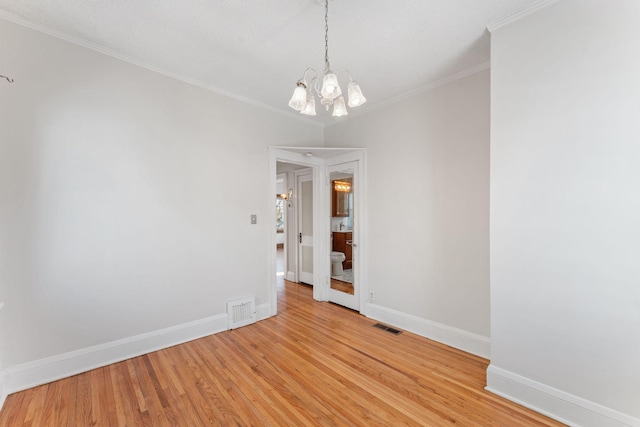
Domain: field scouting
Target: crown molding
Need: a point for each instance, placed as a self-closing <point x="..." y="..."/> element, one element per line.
<point x="10" y="17"/>
<point x="517" y="16"/>
<point x="422" y="89"/>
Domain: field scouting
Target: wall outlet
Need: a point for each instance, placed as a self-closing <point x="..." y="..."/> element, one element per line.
<point x="371" y="296"/>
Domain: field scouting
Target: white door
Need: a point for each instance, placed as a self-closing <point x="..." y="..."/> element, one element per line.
<point x="305" y="228"/>
<point x="343" y="187"/>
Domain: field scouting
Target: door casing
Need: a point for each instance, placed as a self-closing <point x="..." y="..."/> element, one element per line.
<point x="321" y="217"/>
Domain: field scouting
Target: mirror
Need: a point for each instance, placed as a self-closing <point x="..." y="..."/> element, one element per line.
<point x="341" y="197"/>
<point x="341" y="232"/>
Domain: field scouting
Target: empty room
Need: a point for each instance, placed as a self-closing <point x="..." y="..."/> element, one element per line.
<point x="320" y="212"/>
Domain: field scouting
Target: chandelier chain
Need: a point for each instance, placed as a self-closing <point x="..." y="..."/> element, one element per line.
<point x="326" y="36"/>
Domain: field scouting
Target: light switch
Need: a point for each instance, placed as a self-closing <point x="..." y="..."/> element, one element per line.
<point x="254" y="219"/>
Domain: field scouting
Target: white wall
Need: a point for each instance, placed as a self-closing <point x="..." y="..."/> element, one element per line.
<point x="125" y="198"/>
<point x="3" y="392"/>
<point x="565" y="209"/>
<point x="428" y="208"/>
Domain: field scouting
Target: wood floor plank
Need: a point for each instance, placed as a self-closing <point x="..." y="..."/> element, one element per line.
<point x="312" y="364"/>
<point x="35" y="411"/>
<point x="20" y="403"/>
<point x="106" y="399"/>
<point x="83" y="400"/>
<point x="53" y="404"/>
<point x="243" y="407"/>
<point x="270" y="410"/>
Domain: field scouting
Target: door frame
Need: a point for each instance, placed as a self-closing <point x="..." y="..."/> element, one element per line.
<point x="280" y="154"/>
<point x="321" y="217"/>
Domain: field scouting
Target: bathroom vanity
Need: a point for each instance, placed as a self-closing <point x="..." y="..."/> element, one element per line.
<point x="342" y="241"/>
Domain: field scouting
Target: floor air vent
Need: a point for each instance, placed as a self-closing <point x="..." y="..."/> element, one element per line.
<point x="388" y="329"/>
<point x="241" y="312"/>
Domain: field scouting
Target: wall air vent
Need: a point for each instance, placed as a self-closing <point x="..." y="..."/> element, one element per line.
<point x="241" y="312"/>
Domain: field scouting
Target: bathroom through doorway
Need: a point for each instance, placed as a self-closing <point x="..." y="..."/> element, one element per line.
<point x="346" y="163"/>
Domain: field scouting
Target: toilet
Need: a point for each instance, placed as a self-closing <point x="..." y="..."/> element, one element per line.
<point x="336" y="263"/>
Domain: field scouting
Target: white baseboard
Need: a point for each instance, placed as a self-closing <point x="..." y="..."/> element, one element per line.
<point x="557" y="404"/>
<point x="454" y="337"/>
<point x="291" y="276"/>
<point x="3" y="394"/>
<point x="263" y="311"/>
<point x="43" y="371"/>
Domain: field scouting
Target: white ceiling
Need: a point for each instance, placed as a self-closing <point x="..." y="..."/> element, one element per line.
<point x="258" y="49"/>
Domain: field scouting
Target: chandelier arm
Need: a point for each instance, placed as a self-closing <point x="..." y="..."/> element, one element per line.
<point x="10" y="80"/>
<point x="316" y="87"/>
<point x="345" y="70"/>
<point x="303" y="80"/>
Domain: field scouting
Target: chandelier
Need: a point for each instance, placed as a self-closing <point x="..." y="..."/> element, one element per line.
<point x="330" y="93"/>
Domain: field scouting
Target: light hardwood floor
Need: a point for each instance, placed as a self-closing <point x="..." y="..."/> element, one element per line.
<point x="312" y="364"/>
<point x="341" y="286"/>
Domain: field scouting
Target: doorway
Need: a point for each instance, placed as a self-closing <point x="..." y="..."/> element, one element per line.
<point x="322" y="162"/>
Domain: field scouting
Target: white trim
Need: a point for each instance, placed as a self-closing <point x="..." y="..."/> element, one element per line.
<point x="282" y="154"/>
<point x="262" y="312"/>
<point x="43" y="371"/>
<point x="118" y="55"/>
<point x="557" y="404"/>
<point x="3" y="394"/>
<point x="321" y="214"/>
<point x="517" y="16"/>
<point x="422" y="89"/>
<point x="454" y="337"/>
<point x="356" y="157"/>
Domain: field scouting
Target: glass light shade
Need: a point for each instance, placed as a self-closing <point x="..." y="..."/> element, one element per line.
<point x="356" y="97"/>
<point x="339" y="109"/>
<point x="330" y="87"/>
<point x="299" y="99"/>
<point x="310" y="107"/>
